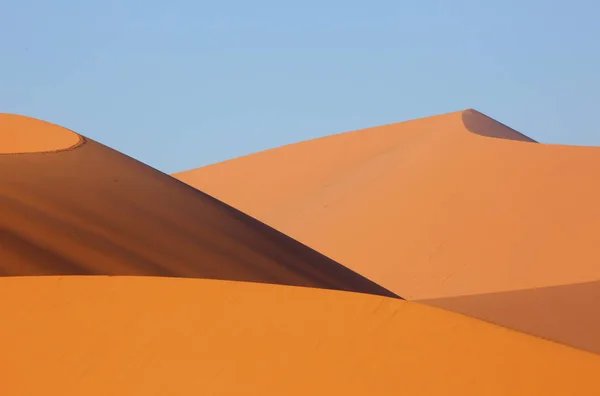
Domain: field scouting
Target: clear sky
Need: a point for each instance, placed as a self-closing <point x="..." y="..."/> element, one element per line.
<point x="180" y="84"/>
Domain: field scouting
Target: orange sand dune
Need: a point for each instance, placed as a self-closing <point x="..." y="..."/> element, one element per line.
<point x="17" y="137"/>
<point x="158" y="336"/>
<point x="445" y="206"/>
<point x="92" y="210"/>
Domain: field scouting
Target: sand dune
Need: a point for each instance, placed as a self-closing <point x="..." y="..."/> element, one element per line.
<point x="438" y="209"/>
<point x="434" y="208"/>
<point x="91" y="210"/>
<point x="158" y="336"/>
<point x="20" y="137"/>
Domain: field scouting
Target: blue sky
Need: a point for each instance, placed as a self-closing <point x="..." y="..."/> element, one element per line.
<point x="180" y="84"/>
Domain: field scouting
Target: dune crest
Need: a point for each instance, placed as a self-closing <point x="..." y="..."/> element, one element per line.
<point x="483" y="125"/>
<point x="94" y="210"/>
<point x="157" y="336"/>
<point x="433" y="208"/>
<point x="22" y="135"/>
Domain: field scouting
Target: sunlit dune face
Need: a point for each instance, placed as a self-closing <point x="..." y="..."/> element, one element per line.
<point x="21" y="135"/>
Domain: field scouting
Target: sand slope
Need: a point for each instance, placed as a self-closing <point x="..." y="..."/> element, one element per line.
<point x="92" y="210"/>
<point x="569" y="314"/>
<point x="445" y="206"/>
<point x="158" y="336"/>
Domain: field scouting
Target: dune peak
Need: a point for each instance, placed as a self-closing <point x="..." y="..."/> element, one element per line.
<point x="483" y="125"/>
<point x="21" y="135"/>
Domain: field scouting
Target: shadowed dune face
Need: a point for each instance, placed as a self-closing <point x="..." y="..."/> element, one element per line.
<point x="569" y="314"/>
<point x="483" y="125"/>
<point x="92" y="210"/>
<point x="445" y="206"/>
<point x="157" y="336"/>
<point x="32" y="136"/>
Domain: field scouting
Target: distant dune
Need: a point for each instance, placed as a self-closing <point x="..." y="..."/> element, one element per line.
<point x="437" y="208"/>
<point x="71" y="206"/>
<point x="157" y="336"/>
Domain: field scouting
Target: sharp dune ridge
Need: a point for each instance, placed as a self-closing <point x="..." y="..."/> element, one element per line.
<point x="433" y="208"/>
<point x="156" y="336"/>
<point x="92" y="210"/>
<point x="473" y="121"/>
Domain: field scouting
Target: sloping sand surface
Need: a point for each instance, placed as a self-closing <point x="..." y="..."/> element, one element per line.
<point x="445" y="206"/>
<point x="18" y="137"/>
<point x="427" y="208"/>
<point x="159" y="336"/>
<point x="92" y="210"/>
<point x="568" y="314"/>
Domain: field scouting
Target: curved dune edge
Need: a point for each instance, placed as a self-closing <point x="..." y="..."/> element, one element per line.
<point x="96" y="211"/>
<point x="156" y="336"/>
<point x="477" y="123"/>
<point x="26" y="135"/>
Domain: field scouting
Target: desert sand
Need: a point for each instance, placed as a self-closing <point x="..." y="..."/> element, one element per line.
<point x="117" y="279"/>
<point x="456" y="205"/>
<point x="163" y="336"/>
<point x="72" y="206"/>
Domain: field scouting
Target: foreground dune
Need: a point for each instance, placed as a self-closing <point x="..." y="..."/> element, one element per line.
<point x="160" y="336"/>
<point x="86" y="209"/>
<point x="435" y="208"/>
